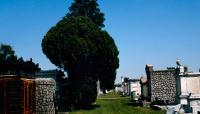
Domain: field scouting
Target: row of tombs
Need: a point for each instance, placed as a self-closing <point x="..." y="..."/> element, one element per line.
<point x="175" y="87"/>
<point x="23" y="95"/>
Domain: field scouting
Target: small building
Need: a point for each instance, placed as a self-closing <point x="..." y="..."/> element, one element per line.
<point x="188" y="85"/>
<point x="54" y="74"/>
<point x="25" y="95"/>
<point x="162" y="84"/>
<point x="177" y="86"/>
<point x="134" y="88"/>
<point x="57" y="76"/>
<point x="131" y="87"/>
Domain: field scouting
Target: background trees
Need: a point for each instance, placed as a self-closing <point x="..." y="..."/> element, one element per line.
<point x="10" y="64"/>
<point x="78" y="45"/>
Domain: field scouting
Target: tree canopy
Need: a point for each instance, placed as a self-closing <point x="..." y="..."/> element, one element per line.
<point x="79" y="46"/>
<point x="107" y="56"/>
<point x="107" y="61"/>
<point x="10" y="64"/>
<point x="71" y="45"/>
<point x="88" y="8"/>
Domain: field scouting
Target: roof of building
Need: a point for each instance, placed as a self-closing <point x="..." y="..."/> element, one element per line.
<point x="15" y="76"/>
<point x="133" y="80"/>
<point x="190" y="74"/>
<point x="46" y="72"/>
<point x="194" y="96"/>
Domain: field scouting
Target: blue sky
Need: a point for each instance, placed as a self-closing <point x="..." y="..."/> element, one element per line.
<point x="145" y="31"/>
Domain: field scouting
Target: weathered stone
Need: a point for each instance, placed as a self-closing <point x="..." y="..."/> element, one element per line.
<point x="162" y="84"/>
<point x="45" y="92"/>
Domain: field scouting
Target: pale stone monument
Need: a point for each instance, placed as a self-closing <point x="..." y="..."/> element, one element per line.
<point x="98" y="88"/>
<point x="189" y="90"/>
<point x="134" y="88"/>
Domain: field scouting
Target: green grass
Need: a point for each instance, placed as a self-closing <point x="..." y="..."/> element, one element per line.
<point x="110" y="95"/>
<point x="114" y="104"/>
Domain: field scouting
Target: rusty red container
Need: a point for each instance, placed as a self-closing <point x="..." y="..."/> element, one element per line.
<point x="16" y="95"/>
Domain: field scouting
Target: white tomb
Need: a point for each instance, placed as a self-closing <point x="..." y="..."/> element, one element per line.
<point x="190" y="91"/>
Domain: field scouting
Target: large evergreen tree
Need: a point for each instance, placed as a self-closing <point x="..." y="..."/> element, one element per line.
<point x="107" y="56"/>
<point x="78" y="44"/>
<point x="71" y="45"/>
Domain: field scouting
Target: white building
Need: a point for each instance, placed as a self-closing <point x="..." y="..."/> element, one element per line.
<point x="134" y="88"/>
<point x="189" y="91"/>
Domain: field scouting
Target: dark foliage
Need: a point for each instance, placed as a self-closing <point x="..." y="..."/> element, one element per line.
<point x="10" y="64"/>
<point x="88" y="8"/>
<point x="79" y="46"/>
<point x="107" y="61"/>
<point x="107" y="57"/>
<point x="126" y="79"/>
<point x="71" y="45"/>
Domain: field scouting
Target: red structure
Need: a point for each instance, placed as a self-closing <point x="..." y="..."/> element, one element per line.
<point x="17" y="95"/>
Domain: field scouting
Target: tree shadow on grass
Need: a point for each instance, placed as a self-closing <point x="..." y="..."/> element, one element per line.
<point x="134" y="104"/>
<point x="141" y="105"/>
<point x="90" y="107"/>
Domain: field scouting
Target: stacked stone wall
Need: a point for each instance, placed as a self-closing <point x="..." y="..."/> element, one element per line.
<point x="163" y="86"/>
<point x="45" y="91"/>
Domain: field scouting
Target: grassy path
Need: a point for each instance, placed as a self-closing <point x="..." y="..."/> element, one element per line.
<point x="114" y="104"/>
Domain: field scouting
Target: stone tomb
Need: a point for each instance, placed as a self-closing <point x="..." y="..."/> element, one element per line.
<point x="45" y="93"/>
<point x="134" y="88"/>
<point x="162" y="84"/>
